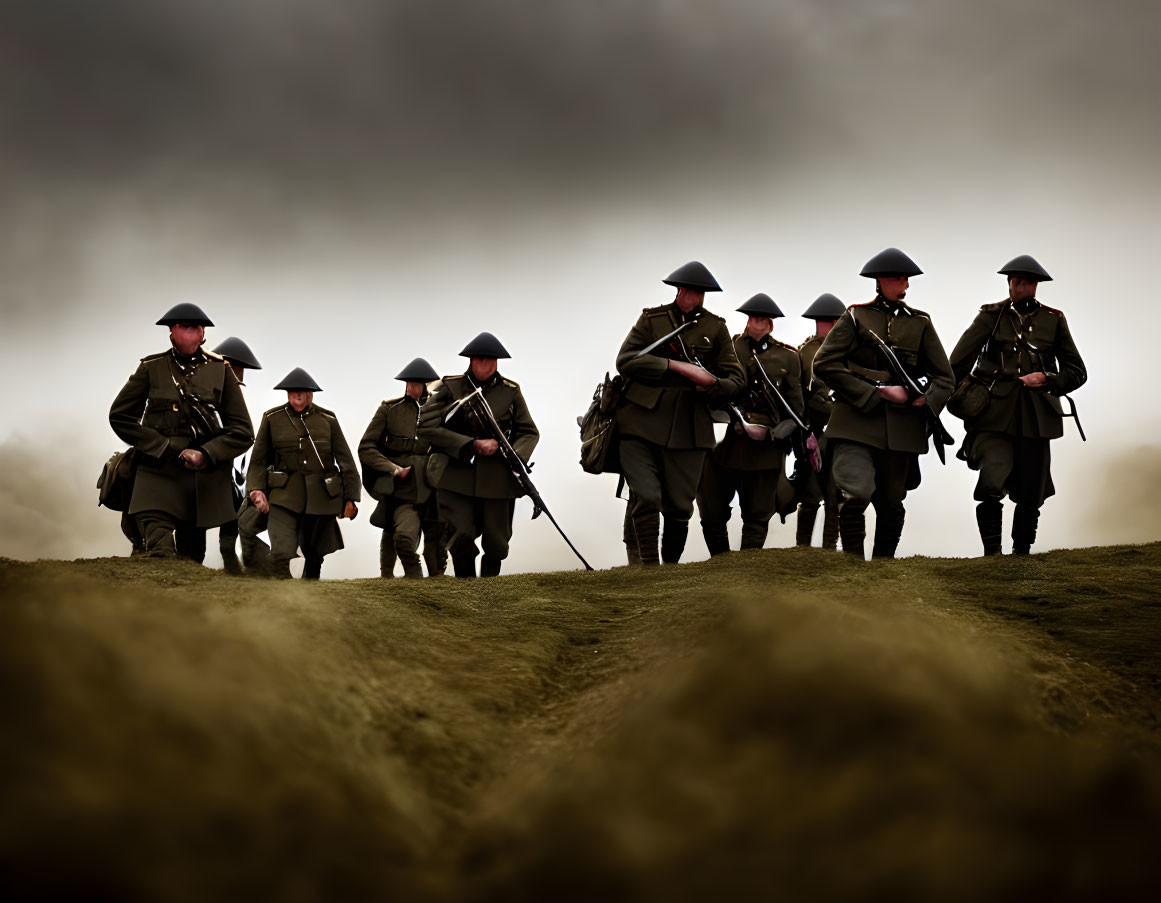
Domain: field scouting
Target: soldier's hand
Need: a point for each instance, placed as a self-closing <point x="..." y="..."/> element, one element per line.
<point x="755" y="431"/>
<point x="258" y="498"/>
<point x="896" y="394"/>
<point x="919" y="402"/>
<point x="350" y="510"/>
<point x="695" y="374"/>
<point x="486" y="446"/>
<point x="1034" y="380"/>
<point x="193" y="459"/>
<point x="403" y="473"/>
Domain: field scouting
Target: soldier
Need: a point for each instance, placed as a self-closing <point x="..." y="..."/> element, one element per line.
<point x="1023" y="356"/>
<point x="240" y="358"/>
<point x="751" y="459"/>
<point x="395" y="473"/>
<point x="664" y="423"/>
<point x="876" y="432"/>
<point x="183" y="411"/>
<point x="813" y="487"/>
<point x="303" y="477"/>
<point x="476" y="489"/>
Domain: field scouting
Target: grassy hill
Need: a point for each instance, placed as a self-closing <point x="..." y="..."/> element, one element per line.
<point x="774" y="725"/>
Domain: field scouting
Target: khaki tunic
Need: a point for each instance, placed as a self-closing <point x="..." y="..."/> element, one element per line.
<point x="147" y="414"/>
<point x="453" y="464"/>
<point x="285" y="467"/>
<point x="850" y="362"/>
<point x="1015" y="409"/>
<point x="780" y="363"/>
<point x="662" y="407"/>
<point x="389" y="445"/>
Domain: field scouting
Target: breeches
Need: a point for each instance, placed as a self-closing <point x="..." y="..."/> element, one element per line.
<point x="316" y="534"/>
<point x="1011" y="465"/>
<point x="470" y="517"/>
<point x="663" y="479"/>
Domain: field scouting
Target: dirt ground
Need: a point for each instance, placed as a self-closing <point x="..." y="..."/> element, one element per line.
<point x="782" y="724"/>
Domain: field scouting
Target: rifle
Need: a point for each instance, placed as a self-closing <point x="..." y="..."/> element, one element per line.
<point x="768" y="386"/>
<point x="939" y="435"/>
<point x="1071" y="404"/>
<point x="480" y="413"/>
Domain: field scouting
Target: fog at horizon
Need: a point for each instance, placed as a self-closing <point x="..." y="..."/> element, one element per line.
<point x="348" y="187"/>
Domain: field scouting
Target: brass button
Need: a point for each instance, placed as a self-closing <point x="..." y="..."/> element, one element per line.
<point x="175" y="407"/>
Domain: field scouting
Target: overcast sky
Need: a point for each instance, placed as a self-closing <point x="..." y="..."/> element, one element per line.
<point x="349" y="185"/>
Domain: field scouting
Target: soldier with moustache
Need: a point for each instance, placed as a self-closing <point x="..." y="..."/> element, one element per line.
<point x="240" y="358"/>
<point x="476" y="489"/>
<point x="750" y="461"/>
<point x="184" y="413"/>
<point x="395" y="474"/>
<point x="876" y="432"/>
<point x="664" y="423"/>
<point x="811" y="487"/>
<point x="1021" y="356"/>
<point x="303" y="477"/>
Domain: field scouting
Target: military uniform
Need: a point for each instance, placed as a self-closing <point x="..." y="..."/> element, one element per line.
<point x="875" y="444"/>
<point x="149" y="414"/>
<point x="477" y="493"/>
<point x="664" y="423"/>
<point x="255" y="552"/>
<point x="1008" y="442"/>
<point x="750" y="468"/>
<point x="814" y="488"/>
<point x="405" y="507"/>
<point x="302" y="463"/>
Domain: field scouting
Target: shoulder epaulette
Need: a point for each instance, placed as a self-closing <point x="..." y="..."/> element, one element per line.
<point x="1053" y="310"/>
<point x="273" y="410"/>
<point x="808" y="340"/>
<point x="655" y="311"/>
<point x="781" y="344"/>
<point x="709" y="313"/>
<point x="388" y="402"/>
<point x="154" y="357"/>
<point x="448" y="379"/>
<point x="510" y="383"/>
<point x="993" y="307"/>
<point x="212" y="356"/>
<point x="916" y="312"/>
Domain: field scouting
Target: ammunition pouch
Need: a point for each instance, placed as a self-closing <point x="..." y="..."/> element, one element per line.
<point x="333" y="484"/>
<point x="115" y="481"/>
<point x="276" y="479"/>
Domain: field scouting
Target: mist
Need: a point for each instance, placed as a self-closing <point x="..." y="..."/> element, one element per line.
<point x="349" y="187"/>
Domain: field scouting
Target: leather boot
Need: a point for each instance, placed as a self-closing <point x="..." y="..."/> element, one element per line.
<point x="230" y="563"/>
<point x="852" y="527"/>
<point x="990" y="520"/>
<point x="489" y="566"/>
<point x="754" y="534"/>
<point x="279" y="568"/>
<point x="387" y="554"/>
<point x="644" y="527"/>
<point x="830" y="526"/>
<point x="804" y="531"/>
<point x="1024" y="529"/>
<point x="673" y="540"/>
<point x="464" y="565"/>
<point x="888" y="529"/>
<point x="312" y="569"/>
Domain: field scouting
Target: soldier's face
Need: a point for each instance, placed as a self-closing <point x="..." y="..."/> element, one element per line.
<point x="300" y="401"/>
<point x="758" y="328"/>
<point x="893" y="288"/>
<point x="687" y="299"/>
<point x="1021" y="289"/>
<point x="186" y="337"/>
<point x="483" y="368"/>
<point x="239" y="373"/>
<point x="414" y="390"/>
<point x="823" y="327"/>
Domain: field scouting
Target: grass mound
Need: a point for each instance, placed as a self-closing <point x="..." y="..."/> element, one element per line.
<point x="778" y="724"/>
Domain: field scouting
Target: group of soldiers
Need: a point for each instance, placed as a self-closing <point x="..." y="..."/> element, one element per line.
<point x="855" y="404"/>
<point x="434" y="472"/>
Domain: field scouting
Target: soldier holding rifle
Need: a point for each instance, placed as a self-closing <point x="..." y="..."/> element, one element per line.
<point x="664" y="419"/>
<point x="184" y="413"/>
<point x="476" y="485"/>
<point x="750" y="461"/>
<point x="1018" y="359"/>
<point x="890" y="377"/>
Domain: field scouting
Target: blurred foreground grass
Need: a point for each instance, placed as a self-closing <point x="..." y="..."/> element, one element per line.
<point x="784" y="724"/>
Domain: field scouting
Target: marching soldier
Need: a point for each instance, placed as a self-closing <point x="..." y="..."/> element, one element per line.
<point x="303" y="477"/>
<point x="813" y="488"/>
<point x="877" y="431"/>
<point x="183" y="411"/>
<point x="395" y="473"/>
<point x="240" y="358"/>
<point x="751" y="460"/>
<point x="476" y="489"/>
<point x="664" y="423"/>
<point x="1022" y="359"/>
